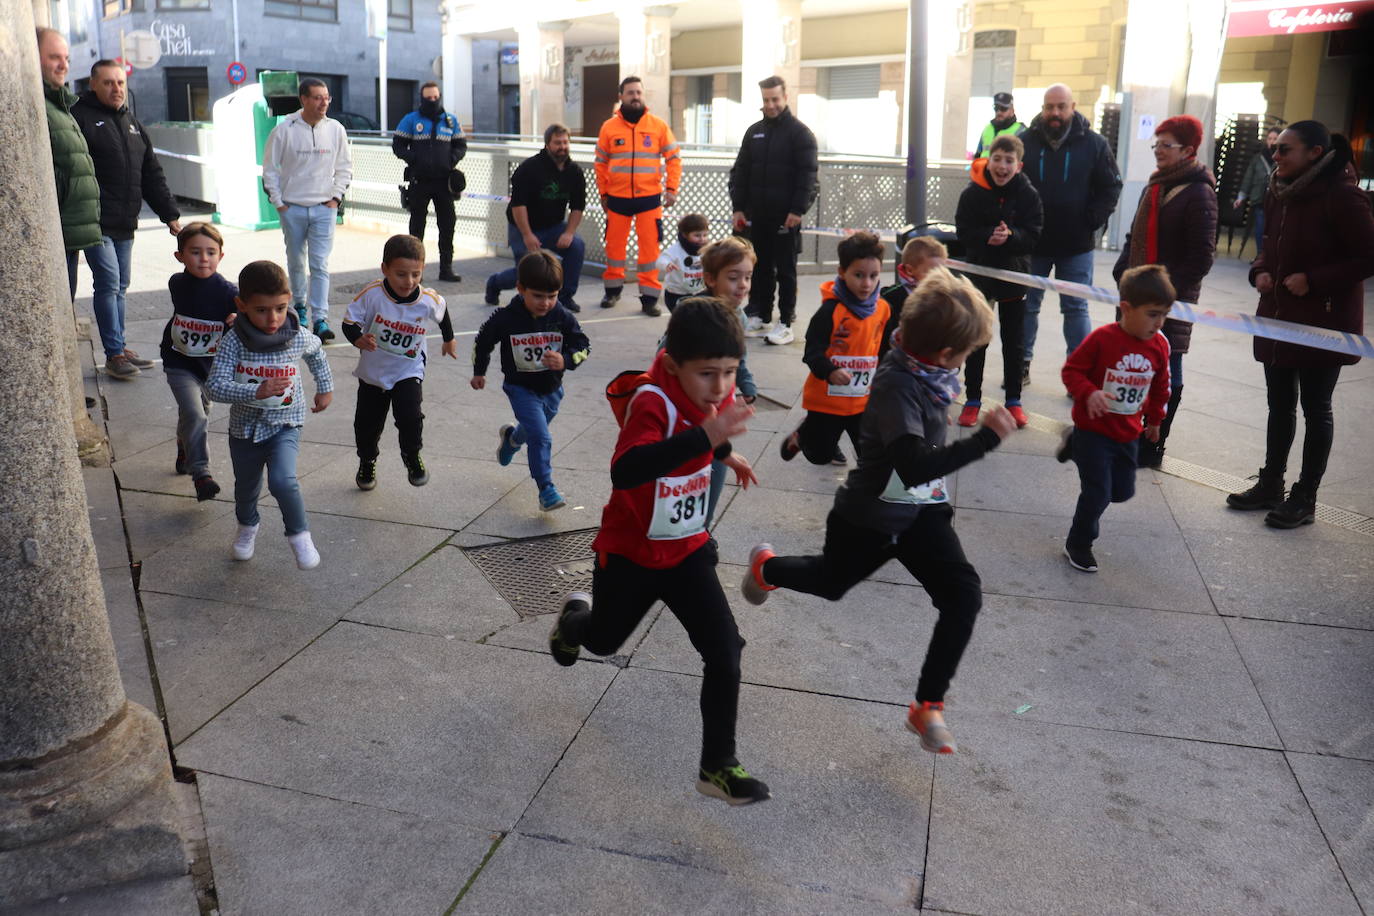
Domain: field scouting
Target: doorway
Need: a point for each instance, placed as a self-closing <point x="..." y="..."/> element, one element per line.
<point x="600" y="90"/>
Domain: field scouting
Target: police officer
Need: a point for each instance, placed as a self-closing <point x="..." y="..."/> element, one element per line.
<point x="1003" y="122"/>
<point x="431" y="143"/>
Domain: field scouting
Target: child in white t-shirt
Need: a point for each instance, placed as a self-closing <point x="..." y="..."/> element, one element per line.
<point x="388" y="321"/>
<point x="680" y="263"/>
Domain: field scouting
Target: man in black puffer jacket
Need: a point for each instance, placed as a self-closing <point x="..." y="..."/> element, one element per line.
<point x="1075" y="172"/>
<point x="129" y="174"/>
<point x="772" y="184"/>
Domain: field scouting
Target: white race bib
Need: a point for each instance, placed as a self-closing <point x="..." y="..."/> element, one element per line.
<point x="196" y="337"/>
<point x="398" y="338"/>
<point x="680" y="506"/>
<point x="1128" y="388"/>
<point x="860" y="369"/>
<point x="256" y="375"/>
<point x="527" y="350"/>
<point x="925" y="494"/>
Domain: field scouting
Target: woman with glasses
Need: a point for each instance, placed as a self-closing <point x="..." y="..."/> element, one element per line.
<point x="1318" y="248"/>
<point x="1256" y="181"/>
<point x="1175" y="225"/>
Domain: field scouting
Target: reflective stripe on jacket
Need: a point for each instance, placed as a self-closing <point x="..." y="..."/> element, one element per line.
<point x="630" y="158"/>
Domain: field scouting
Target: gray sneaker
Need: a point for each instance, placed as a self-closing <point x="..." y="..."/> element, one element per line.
<point x="118" y="366"/>
<point x="137" y="361"/>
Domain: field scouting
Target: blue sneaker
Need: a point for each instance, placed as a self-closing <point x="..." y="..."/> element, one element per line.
<point x="322" y="331"/>
<point x="506" y="450"/>
<point x="550" y="498"/>
<point x="302" y="315"/>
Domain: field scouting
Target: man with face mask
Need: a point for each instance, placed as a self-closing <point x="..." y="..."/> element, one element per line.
<point x="1075" y="172"/>
<point x="772" y="185"/>
<point x="431" y="143"/>
<point x="129" y="174"/>
<point x="638" y="172"/>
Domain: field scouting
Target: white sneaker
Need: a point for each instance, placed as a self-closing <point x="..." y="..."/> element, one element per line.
<point x="755" y="327"/>
<point x="307" y="557"/>
<point x="781" y="335"/>
<point x="243" y="544"/>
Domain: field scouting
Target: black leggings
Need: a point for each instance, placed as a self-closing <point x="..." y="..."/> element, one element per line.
<point x="369" y="416"/>
<point x="1313" y="389"/>
<point x="819" y="434"/>
<point x="623" y="593"/>
<point x="1012" y="325"/>
<point x="929" y="549"/>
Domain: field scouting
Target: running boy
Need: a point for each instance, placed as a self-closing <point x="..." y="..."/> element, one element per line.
<point x="256" y="371"/>
<point x="894" y="505"/>
<point x="680" y="264"/>
<point x="920" y="255"/>
<point x="387" y="321"/>
<point x="845" y="340"/>
<point x="999" y="219"/>
<point x="727" y="272"/>
<point x="653" y="544"/>
<point x="539" y="339"/>
<point x="202" y="307"/>
<point x="1117" y="375"/>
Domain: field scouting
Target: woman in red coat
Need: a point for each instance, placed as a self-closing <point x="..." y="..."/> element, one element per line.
<point x="1318" y="248"/>
<point x="1175" y="225"/>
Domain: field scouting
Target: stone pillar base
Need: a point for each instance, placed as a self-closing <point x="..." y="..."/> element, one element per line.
<point x="100" y="811"/>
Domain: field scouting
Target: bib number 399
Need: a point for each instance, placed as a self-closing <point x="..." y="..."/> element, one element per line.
<point x="680" y="505"/>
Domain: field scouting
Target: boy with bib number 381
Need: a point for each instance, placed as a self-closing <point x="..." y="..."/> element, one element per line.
<point x="539" y="339"/>
<point x="1118" y="373"/>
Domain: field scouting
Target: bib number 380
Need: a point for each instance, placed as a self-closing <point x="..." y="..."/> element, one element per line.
<point x="680" y="505"/>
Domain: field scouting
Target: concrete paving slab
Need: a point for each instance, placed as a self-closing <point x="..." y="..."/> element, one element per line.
<point x="127" y="438"/>
<point x="1037" y="818"/>
<point x="1040" y="485"/>
<point x="276" y="850"/>
<point x="517" y="514"/>
<point x="358" y="557"/>
<point x="162" y="897"/>
<point x="155" y="521"/>
<point x="1245" y="580"/>
<point x="209" y="653"/>
<point x="846" y="764"/>
<point x="107" y="526"/>
<point x="793" y="521"/>
<point x="1302" y="673"/>
<point x="153" y="470"/>
<point x="1032" y="562"/>
<point x="126" y="627"/>
<point x="437" y="713"/>
<point x="1341" y="793"/>
<point x="533" y="875"/>
<point x="442" y="595"/>
<point x="1196" y="507"/>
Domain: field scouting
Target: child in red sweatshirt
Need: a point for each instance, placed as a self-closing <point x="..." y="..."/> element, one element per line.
<point x="1117" y="375"/>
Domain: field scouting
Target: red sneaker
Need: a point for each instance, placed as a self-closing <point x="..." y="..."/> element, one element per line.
<point x="935" y="735"/>
<point x="1019" y="415"/>
<point x="969" y="415"/>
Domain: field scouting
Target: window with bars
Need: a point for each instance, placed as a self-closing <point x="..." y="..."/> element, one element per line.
<point x="400" y="15"/>
<point x="316" y="10"/>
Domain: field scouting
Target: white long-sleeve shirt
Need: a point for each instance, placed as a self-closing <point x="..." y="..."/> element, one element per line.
<point x="306" y="165"/>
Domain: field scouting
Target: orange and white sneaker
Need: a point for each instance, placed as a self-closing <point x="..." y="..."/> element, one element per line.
<point x="927" y="720"/>
<point x="1019" y="415"/>
<point x="969" y="415"/>
<point x="753" y="587"/>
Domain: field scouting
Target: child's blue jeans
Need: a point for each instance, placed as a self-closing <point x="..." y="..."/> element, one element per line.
<point x="278" y="455"/>
<point x="533" y="414"/>
<point x="1106" y="471"/>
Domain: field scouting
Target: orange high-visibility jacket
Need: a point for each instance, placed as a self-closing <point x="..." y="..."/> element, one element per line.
<point x="630" y="158"/>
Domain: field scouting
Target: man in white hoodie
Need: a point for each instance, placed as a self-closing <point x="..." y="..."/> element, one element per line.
<point x="306" y="168"/>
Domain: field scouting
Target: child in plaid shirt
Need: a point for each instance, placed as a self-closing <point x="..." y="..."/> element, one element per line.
<point x="256" y="371"/>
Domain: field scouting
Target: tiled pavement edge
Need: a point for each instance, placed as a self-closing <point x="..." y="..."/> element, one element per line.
<point x="1187" y="731"/>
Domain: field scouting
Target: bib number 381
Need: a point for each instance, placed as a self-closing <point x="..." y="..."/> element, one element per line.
<point x="680" y="506"/>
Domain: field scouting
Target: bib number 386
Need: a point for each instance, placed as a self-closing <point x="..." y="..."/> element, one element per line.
<point x="680" y="506"/>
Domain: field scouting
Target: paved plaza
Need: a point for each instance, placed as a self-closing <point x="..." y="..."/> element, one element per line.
<point x="1187" y="731"/>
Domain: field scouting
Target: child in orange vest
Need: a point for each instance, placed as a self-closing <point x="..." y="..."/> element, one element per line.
<point x="846" y="338"/>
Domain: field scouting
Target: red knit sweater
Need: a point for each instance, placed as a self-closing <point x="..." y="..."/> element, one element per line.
<point x="1135" y="371"/>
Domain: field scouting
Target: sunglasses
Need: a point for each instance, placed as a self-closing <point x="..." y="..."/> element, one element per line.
<point x="1001" y="108"/>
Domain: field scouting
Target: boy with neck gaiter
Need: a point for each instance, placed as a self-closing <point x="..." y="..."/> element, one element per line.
<point x="894" y="505"/>
<point x="846" y="338"/>
<point x="388" y="321"/>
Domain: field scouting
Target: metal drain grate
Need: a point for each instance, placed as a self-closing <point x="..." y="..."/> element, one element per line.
<point x="535" y="574"/>
<point x="1219" y="480"/>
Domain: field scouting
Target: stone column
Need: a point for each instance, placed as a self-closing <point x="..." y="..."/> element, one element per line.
<point x="645" y="52"/>
<point x="85" y="779"/>
<point x="541" y="75"/>
<point x="771" y="47"/>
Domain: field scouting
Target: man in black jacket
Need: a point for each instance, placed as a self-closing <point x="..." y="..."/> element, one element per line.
<point x="431" y="143"/>
<point x="129" y="174"/>
<point x="1075" y="172"/>
<point x="772" y="184"/>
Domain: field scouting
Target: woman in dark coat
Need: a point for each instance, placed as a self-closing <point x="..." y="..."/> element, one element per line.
<point x="1175" y="225"/>
<point x="1318" y="248"/>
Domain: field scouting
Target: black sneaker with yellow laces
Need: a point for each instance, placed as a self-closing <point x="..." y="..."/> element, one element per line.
<point x="732" y="784"/>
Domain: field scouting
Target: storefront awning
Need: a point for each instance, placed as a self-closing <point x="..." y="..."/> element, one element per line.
<point x="1272" y="17"/>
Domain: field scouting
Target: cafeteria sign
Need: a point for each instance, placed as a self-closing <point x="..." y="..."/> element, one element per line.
<point x="1268" y="17"/>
